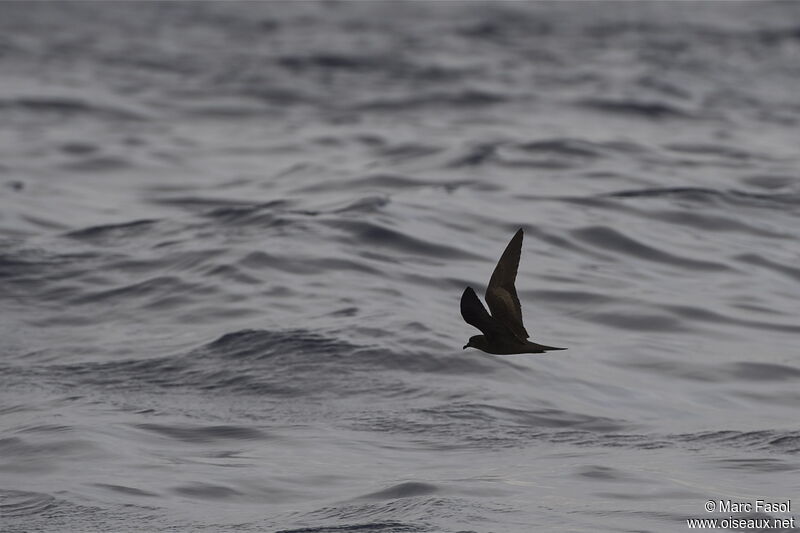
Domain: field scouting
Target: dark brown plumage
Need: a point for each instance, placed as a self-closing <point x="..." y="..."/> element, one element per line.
<point x="503" y="331"/>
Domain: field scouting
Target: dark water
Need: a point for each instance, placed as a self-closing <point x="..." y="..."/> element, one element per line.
<point x="233" y="238"/>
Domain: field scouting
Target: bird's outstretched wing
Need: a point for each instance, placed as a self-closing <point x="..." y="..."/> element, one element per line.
<point x="475" y="314"/>
<point x="501" y="294"/>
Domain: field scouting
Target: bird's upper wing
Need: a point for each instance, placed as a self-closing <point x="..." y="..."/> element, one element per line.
<point x="501" y="294"/>
<point x="475" y="314"/>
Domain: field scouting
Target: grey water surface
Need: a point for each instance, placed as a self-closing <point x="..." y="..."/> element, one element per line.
<point x="233" y="239"/>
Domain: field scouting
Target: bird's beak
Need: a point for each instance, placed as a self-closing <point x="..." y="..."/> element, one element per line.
<point x="465" y="347"/>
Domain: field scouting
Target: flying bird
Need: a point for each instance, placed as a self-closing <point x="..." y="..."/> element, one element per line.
<point x="503" y="331"/>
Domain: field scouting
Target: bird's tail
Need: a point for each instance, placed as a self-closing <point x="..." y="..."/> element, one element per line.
<point x="547" y="348"/>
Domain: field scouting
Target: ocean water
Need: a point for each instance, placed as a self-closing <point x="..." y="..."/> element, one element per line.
<point x="233" y="239"/>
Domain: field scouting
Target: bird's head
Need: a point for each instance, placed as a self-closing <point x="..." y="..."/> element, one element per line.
<point x="477" y="341"/>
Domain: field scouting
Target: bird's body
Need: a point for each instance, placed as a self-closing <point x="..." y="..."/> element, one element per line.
<point x="503" y="331"/>
<point x="504" y="347"/>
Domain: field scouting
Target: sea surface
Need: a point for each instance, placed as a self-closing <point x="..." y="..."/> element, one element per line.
<point x="234" y="236"/>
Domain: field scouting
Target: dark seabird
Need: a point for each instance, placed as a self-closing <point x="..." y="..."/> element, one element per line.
<point x="503" y="332"/>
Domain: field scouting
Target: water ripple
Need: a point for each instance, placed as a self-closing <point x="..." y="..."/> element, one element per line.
<point x="609" y="239"/>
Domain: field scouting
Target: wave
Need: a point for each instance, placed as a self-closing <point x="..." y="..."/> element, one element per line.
<point x="110" y="233"/>
<point x="611" y="240"/>
<point x="377" y="235"/>
<point x="705" y="195"/>
<point x="556" y="153"/>
<point x="16" y="503"/>
<point x="66" y="105"/>
<point x="277" y="364"/>
<point x="370" y="527"/>
<point x="650" y="110"/>
<point x="462" y="98"/>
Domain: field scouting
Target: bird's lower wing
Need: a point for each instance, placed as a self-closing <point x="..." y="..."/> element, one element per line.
<point x="475" y="314"/>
